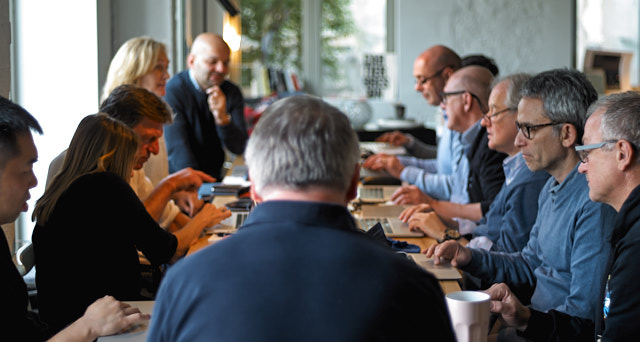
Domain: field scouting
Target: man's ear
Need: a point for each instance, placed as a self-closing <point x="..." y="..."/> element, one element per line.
<point x="352" y="191"/>
<point x="190" y="60"/>
<point x="446" y="73"/>
<point x="468" y="102"/>
<point x="625" y="155"/>
<point x="569" y="135"/>
<point x="254" y="195"/>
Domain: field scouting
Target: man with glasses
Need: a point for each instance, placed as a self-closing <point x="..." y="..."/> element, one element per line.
<point x="431" y="69"/>
<point x="505" y="227"/>
<point x="479" y="176"/>
<point x="560" y="266"/>
<point x="612" y="166"/>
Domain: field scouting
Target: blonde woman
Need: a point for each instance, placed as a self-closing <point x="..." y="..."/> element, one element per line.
<point x="90" y="224"/>
<point x="143" y="62"/>
<point x="140" y="61"/>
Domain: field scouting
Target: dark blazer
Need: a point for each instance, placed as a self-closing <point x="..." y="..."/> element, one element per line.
<point x="485" y="172"/>
<point x="193" y="139"/>
<point x="299" y="271"/>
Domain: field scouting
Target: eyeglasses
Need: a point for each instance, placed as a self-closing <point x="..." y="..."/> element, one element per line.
<point x="489" y="118"/>
<point x="426" y="79"/>
<point x="528" y="129"/>
<point x="584" y="150"/>
<point x="443" y="96"/>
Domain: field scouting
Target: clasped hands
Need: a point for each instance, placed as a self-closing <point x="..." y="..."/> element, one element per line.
<point x="218" y="105"/>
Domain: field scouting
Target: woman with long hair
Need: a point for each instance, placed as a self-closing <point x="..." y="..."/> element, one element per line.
<point x="90" y="224"/>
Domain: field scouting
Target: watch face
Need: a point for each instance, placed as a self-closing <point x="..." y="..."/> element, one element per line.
<point x="452" y="234"/>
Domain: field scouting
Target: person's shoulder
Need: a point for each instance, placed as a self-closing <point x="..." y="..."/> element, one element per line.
<point x="178" y="84"/>
<point x="99" y="181"/>
<point x="526" y="178"/>
<point x="229" y="87"/>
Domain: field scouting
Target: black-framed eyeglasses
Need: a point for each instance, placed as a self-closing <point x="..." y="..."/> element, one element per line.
<point x="528" y="129"/>
<point x="426" y="79"/>
<point x="489" y="118"/>
<point x="584" y="150"/>
<point x="444" y="96"/>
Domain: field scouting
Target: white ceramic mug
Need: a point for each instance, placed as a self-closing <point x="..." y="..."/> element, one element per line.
<point x="469" y="311"/>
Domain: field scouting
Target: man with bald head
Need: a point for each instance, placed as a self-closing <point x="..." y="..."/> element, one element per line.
<point x="209" y="110"/>
<point x="478" y="177"/>
<point x="431" y="69"/>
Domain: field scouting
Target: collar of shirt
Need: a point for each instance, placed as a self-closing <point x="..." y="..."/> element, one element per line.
<point x="194" y="82"/>
<point x="469" y="136"/>
<point x="511" y="166"/>
<point x="557" y="187"/>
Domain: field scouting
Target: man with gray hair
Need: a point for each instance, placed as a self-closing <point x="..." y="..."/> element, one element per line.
<point x="506" y="226"/>
<point x="611" y="163"/>
<point x="560" y="266"/>
<point x="299" y="269"/>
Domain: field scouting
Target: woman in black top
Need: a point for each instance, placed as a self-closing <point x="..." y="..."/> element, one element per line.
<point x="90" y="224"/>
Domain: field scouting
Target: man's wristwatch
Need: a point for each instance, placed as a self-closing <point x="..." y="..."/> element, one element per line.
<point x="451" y="234"/>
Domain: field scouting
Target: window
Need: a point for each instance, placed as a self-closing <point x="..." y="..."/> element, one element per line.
<point x="272" y="43"/>
<point x="56" y="77"/>
<point x="609" y="25"/>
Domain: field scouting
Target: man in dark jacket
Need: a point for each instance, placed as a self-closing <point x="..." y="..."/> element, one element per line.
<point x="611" y="162"/>
<point x="299" y="269"/>
<point x="209" y="110"/>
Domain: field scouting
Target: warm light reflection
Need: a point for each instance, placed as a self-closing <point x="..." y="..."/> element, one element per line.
<point x="231" y="36"/>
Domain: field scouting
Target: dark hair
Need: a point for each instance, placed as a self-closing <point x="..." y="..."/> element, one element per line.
<point x="566" y="95"/>
<point x="130" y="104"/>
<point x="14" y="120"/>
<point x="481" y="60"/>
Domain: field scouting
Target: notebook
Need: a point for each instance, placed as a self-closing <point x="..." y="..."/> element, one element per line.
<point x="376" y="193"/>
<point x="443" y="271"/>
<point x="387" y="216"/>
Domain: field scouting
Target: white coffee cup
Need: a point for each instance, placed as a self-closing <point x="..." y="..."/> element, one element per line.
<point x="469" y="311"/>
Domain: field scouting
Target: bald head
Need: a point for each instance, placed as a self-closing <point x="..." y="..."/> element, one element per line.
<point x="209" y="60"/>
<point x="432" y="69"/>
<point x="440" y="56"/>
<point x="474" y="79"/>
<point x="207" y="41"/>
<point x="469" y="90"/>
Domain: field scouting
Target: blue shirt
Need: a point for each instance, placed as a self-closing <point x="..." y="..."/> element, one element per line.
<point x="512" y="214"/>
<point x="566" y="253"/>
<point x="442" y="186"/>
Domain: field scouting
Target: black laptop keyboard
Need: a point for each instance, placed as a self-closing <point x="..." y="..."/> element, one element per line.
<point x="366" y="223"/>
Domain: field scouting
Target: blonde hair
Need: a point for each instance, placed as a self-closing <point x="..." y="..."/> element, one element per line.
<point x="135" y="58"/>
<point x="99" y="144"/>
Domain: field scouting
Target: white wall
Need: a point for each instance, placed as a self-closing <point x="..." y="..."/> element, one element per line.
<point x="522" y="36"/>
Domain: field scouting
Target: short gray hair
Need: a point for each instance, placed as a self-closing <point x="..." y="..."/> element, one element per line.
<point x="514" y="88"/>
<point x="566" y="95"/>
<point x="301" y="141"/>
<point x="621" y="117"/>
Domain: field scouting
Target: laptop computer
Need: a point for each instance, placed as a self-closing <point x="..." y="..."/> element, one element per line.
<point x="230" y="224"/>
<point x="381" y="147"/>
<point x="387" y="216"/>
<point x="443" y="271"/>
<point x="376" y="193"/>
